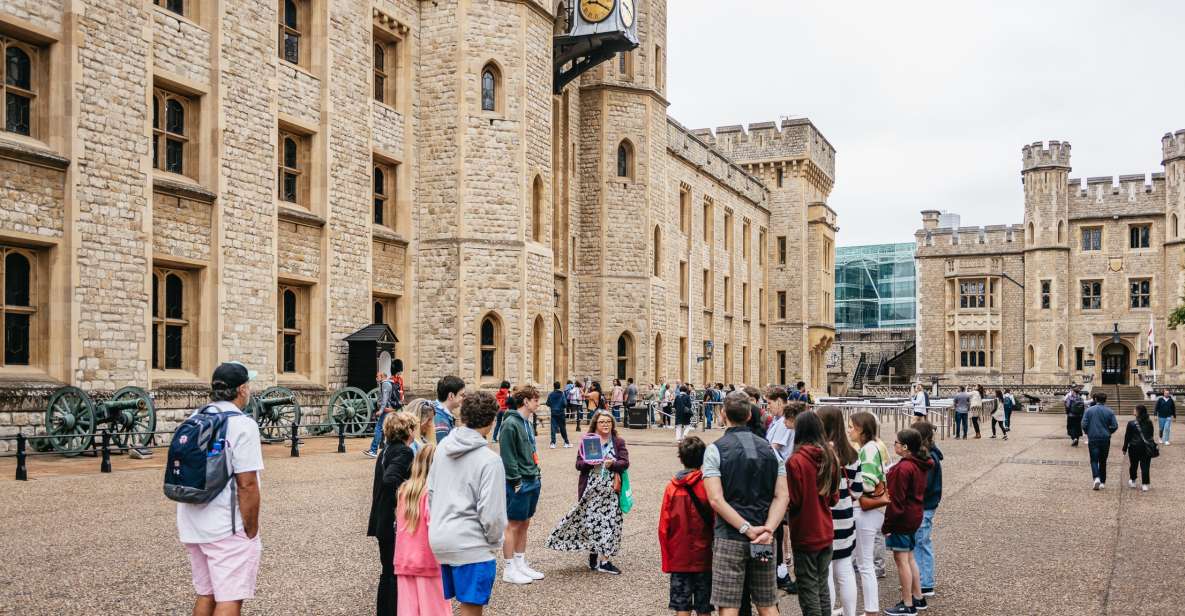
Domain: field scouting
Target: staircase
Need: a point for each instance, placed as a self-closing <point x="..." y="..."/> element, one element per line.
<point x="1123" y="398"/>
<point x="858" y="373"/>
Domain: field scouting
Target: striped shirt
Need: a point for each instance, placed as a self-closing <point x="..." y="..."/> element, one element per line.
<point x="843" y="513"/>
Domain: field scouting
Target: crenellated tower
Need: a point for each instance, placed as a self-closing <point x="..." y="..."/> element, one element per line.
<point x="1045" y="171"/>
<point x="1173" y="151"/>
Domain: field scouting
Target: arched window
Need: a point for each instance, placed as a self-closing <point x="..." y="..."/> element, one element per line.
<point x="625" y="356"/>
<point x="490" y="348"/>
<point x="538" y="337"/>
<point x="1060" y="231"/>
<point x="657" y="250"/>
<point x="625" y="160"/>
<point x="378" y="313"/>
<point x="290" y="173"/>
<point x="1031" y="358"/>
<point x="559" y="370"/>
<point x="292" y="26"/>
<point x="1032" y="235"/>
<point x="537" y="210"/>
<point x="489" y="87"/>
<point x="290" y="329"/>
<point x="1173" y="229"/>
<point x="170" y="319"/>
<point x="658" y="371"/>
<point x="380" y="197"/>
<point x="16" y="310"/>
<point x="1173" y="355"/>
<point x="170" y="134"/>
<point x="1061" y="357"/>
<point x="17" y="87"/>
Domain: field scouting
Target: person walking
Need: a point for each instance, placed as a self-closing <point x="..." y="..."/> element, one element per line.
<point x="557" y="402"/>
<point x="221" y="536"/>
<point x="391" y="469"/>
<point x="1166" y="411"/>
<point x="812" y="479"/>
<point x="685" y="524"/>
<point x="520" y="458"/>
<point x="594" y="525"/>
<point x="418" y="574"/>
<point x="842" y="579"/>
<point x="903" y="517"/>
<point x="576" y="402"/>
<point x="501" y="397"/>
<point x="923" y="552"/>
<point x="746" y="488"/>
<point x="682" y="413"/>
<point x="977" y="396"/>
<point x="450" y="392"/>
<point x="1075" y="409"/>
<point x="1098" y="423"/>
<point x="999" y="414"/>
<point x="1139" y="448"/>
<point x="386" y="389"/>
<point x="1009" y="406"/>
<point x="921" y="401"/>
<point x="467" y="498"/>
<point x="962" y="404"/>
<point x="870" y="515"/>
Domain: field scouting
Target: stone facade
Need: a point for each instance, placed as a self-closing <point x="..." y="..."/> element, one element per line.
<point x="515" y="216"/>
<point x="1070" y="294"/>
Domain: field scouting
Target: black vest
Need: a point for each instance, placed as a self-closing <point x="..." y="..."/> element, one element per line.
<point x="748" y="474"/>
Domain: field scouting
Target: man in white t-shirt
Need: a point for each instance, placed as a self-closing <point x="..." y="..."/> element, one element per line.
<point x="222" y="536"/>
<point x="779" y="435"/>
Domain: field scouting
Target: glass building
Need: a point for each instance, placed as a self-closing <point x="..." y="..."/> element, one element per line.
<point x="875" y="287"/>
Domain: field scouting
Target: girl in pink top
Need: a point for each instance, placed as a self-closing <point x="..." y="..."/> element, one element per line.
<point x="421" y="590"/>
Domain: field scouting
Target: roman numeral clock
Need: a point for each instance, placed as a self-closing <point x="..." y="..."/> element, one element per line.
<point x="589" y="32"/>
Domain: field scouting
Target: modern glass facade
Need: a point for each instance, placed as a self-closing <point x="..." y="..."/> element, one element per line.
<point x="875" y="286"/>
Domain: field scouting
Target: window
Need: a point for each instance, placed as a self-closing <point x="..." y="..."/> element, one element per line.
<point x="292" y="156"/>
<point x="685" y="211"/>
<point x="490" y="85"/>
<point x="170" y="131"/>
<point x="1030" y="357"/>
<point x="727" y="231"/>
<point x="727" y="294"/>
<point x="1045" y="294"/>
<point x="972" y="294"/>
<point x="781" y="304"/>
<point x="761" y="247"/>
<point x="683" y="359"/>
<point x="1173" y="355"/>
<point x="972" y="350"/>
<point x="18" y="85"/>
<point x="538" y="337"/>
<point x="828" y="255"/>
<point x="660" y="62"/>
<point x="293" y="24"/>
<point x="170" y="319"/>
<point x="745" y="299"/>
<point x="625" y="64"/>
<point x="384" y="195"/>
<point x="1061" y="357"/>
<point x="745" y="242"/>
<point x="657" y="251"/>
<point x="1061" y="231"/>
<point x="708" y="222"/>
<point x="658" y="367"/>
<point x="1030" y="238"/>
<point x="386" y="68"/>
<point x="537" y="209"/>
<point x="683" y="281"/>
<point x="781" y="250"/>
<point x="1092" y="238"/>
<point x="17" y="309"/>
<point x="177" y="6"/>
<point x="490" y="348"/>
<point x="761" y="304"/>
<point x="384" y="311"/>
<point x="290" y="329"/>
<point x="1139" y="236"/>
<point x="1173" y="226"/>
<point x="1141" y="292"/>
<point x="707" y="290"/>
<point x="782" y="380"/>
<point x="625" y="356"/>
<point x="1078" y="362"/>
<point x="625" y="159"/>
<point x="1092" y="294"/>
<point x="781" y="176"/>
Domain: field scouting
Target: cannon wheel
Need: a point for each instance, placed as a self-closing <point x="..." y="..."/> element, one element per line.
<point x="275" y="423"/>
<point x="352" y="408"/>
<point x="140" y="419"/>
<point x="374" y="397"/>
<point x="70" y="420"/>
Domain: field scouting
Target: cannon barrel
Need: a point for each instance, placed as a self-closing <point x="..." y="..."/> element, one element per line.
<point x="116" y="406"/>
<point x="277" y="401"/>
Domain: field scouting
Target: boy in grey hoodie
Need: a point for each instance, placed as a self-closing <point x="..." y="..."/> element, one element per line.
<point x="467" y="498"/>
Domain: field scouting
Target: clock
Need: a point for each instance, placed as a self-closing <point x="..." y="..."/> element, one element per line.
<point x="627" y="13"/>
<point x="595" y="11"/>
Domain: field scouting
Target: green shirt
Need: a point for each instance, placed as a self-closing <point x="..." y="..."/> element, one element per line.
<point x="516" y="444"/>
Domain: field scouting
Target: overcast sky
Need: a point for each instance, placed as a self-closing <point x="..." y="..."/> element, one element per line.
<point x="928" y="102"/>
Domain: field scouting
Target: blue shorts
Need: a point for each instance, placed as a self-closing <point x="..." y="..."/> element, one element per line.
<point x="900" y="542"/>
<point x="521" y="505"/>
<point x="470" y="583"/>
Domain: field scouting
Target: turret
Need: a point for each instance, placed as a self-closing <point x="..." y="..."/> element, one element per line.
<point x="1044" y="171"/>
<point x="930" y="219"/>
<point x="1173" y="147"/>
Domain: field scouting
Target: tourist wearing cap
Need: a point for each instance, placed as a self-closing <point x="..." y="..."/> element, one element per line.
<point x="222" y="537"/>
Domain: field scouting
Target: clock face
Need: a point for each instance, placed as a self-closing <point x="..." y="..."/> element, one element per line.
<point x="596" y="10"/>
<point x="627" y="13"/>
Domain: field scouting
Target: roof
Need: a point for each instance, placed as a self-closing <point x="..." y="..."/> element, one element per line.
<point x="375" y="332"/>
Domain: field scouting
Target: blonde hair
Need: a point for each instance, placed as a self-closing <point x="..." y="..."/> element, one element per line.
<point x="414" y="487"/>
<point x="398" y="427"/>
<point x="424" y="411"/>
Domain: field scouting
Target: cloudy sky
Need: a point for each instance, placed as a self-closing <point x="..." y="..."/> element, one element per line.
<point x="928" y="102"/>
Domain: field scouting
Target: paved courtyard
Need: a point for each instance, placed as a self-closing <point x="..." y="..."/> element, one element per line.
<point x="1019" y="532"/>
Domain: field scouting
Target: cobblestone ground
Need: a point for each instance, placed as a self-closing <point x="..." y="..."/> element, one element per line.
<point x="1019" y="532"/>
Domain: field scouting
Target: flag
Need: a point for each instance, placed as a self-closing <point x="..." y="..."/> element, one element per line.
<point x="1151" y="343"/>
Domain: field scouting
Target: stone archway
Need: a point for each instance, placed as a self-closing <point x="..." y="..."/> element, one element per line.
<point x="1114" y="363"/>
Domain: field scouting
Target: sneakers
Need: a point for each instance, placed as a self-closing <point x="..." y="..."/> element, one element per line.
<point x="993" y="436"/>
<point x="523" y="567"/>
<point x="1075" y="443"/>
<point x="607" y="567"/>
<point x="1144" y="488"/>
<point x="512" y="574"/>
<point x="1097" y="484"/>
<point x="1131" y="483"/>
<point x="567" y="445"/>
<point x="901" y="610"/>
<point x="1102" y="485"/>
<point x="927" y="591"/>
<point x="919" y="603"/>
<point x="553" y="445"/>
<point x="370" y="454"/>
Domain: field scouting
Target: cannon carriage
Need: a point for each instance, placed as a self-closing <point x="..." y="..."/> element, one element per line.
<point x="73" y="418"/>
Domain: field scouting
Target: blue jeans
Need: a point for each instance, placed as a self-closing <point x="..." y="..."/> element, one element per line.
<point x="378" y="433"/>
<point x="1166" y="427"/>
<point x="498" y="425"/>
<point x="559" y="424"/>
<point x="708" y="416"/>
<point x="1099" y="450"/>
<point x="1008" y="417"/>
<point x="960" y="422"/>
<point x="923" y="552"/>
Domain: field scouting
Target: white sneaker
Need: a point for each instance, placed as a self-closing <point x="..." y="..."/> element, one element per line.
<point x="1102" y="485"/>
<point x="1131" y="483"/>
<point x="1144" y="488"/>
<point x="1097" y="484"/>
<point x="524" y="568"/>
<point x="553" y="445"/>
<point x="567" y="445"/>
<point x="512" y="575"/>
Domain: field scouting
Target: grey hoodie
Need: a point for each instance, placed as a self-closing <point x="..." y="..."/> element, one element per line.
<point x="467" y="500"/>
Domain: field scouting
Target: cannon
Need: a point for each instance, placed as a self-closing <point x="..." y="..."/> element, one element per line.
<point x="73" y="418"/>
<point x="276" y="409"/>
<point x="352" y="408"/>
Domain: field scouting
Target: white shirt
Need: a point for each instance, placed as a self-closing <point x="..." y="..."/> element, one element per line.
<point x="210" y="522"/>
<point x="919" y="403"/>
<point x="779" y="434"/>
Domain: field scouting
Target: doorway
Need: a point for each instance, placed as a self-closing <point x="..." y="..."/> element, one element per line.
<point x="1115" y="364"/>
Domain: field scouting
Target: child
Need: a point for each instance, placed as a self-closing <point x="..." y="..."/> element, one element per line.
<point x="421" y="590"/>
<point x="812" y="476"/>
<point x="685" y="526"/>
<point x="923" y="553"/>
<point x="907" y="490"/>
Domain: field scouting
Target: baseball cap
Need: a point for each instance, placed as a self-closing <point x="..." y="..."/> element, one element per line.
<point x="231" y="374"/>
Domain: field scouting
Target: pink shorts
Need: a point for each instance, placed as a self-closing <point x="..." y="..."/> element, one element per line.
<point x="225" y="568"/>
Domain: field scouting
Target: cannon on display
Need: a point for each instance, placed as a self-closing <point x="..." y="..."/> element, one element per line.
<point x="73" y="418"/>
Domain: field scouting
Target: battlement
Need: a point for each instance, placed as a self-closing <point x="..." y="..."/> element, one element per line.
<point x="938" y="241"/>
<point x="791" y="139"/>
<point x="1121" y="195"/>
<point x="1038" y="155"/>
<point x="1173" y="145"/>
<point x="692" y="147"/>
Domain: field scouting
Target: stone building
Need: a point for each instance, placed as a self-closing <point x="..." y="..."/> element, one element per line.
<point x="188" y="182"/>
<point x="1069" y="294"/>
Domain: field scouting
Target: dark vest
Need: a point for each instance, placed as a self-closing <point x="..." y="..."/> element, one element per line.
<point x="748" y="474"/>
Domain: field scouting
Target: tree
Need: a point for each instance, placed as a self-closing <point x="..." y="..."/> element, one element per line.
<point x="1177" y="316"/>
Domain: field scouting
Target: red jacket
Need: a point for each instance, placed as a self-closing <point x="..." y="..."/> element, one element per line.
<point x="501" y="397"/>
<point x="811" y="528"/>
<point x="907" y="489"/>
<point x="684" y="535"/>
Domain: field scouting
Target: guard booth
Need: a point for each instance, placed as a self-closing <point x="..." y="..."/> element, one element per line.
<point x="372" y="350"/>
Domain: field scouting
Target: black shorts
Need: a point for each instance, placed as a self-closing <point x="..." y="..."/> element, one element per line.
<point x="691" y="592"/>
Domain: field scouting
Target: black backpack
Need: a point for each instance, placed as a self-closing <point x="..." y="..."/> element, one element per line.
<point x="198" y="469"/>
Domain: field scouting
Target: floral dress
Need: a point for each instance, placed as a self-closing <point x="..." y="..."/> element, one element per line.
<point x="594" y="524"/>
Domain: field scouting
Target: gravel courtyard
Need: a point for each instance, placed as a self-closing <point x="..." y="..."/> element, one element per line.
<point x="1019" y="532"/>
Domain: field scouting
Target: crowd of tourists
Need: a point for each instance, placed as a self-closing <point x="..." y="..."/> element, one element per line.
<point x="1096" y="421"/>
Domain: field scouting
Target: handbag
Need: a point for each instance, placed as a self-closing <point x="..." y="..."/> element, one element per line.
<point x="626" y="498"/>
<point x="1149" y="446"/>
<point x="879" y="498"/>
